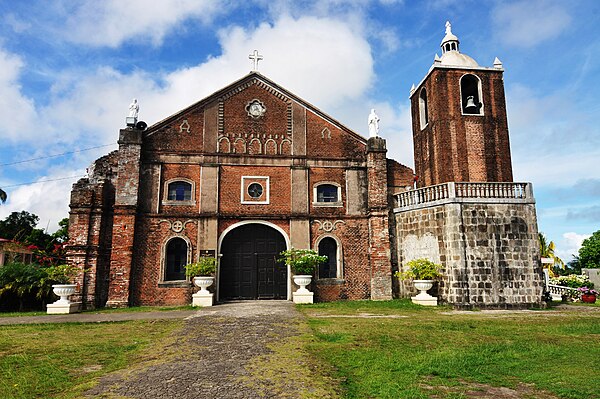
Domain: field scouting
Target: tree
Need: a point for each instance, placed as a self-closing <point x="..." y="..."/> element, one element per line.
<point x="589" y="253"/>
<point x="62" y="234"/>
<point x="18" y="225"/>
<point x="3" y="196"/>
<point x="547" y="251"/>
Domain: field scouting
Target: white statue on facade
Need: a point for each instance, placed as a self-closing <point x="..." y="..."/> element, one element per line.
<point x="373" y="124"/>
<point x="134" y="108"/>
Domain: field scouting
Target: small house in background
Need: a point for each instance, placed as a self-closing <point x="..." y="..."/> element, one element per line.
<point x="11" y="251"/>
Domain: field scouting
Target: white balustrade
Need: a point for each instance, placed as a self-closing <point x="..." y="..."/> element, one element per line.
<point x="443" y="191"/>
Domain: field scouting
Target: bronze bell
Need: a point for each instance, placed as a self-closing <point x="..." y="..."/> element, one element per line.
<point x="471" y="107"/>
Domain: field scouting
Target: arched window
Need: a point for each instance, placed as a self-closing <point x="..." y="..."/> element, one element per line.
<point x="423" y="116"/>
<point x="176" y="257"/>
<point x="179" y="191"/>
<point x="470" y="91"/>
<point x="328" y="247"/>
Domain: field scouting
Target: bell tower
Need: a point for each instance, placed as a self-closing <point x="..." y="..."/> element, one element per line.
<point x="460" y="130"/>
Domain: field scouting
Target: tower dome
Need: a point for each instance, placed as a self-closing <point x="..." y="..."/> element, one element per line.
<point x="451" y="54"/>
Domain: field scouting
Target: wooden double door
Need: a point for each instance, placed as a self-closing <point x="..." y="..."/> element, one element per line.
<point x="249" y="267"/>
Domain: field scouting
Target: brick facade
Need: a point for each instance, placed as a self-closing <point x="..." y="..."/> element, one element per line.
<point x="218" y="147"/>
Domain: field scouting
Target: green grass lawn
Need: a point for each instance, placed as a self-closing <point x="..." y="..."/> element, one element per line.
<point x="354" y="349"/>
<point x="47" y="360"/>
<point x="434" y="351"/>
<point x="106" y="310"/>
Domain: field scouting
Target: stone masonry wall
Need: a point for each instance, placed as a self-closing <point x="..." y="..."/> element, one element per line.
<point x="490" y="252"/>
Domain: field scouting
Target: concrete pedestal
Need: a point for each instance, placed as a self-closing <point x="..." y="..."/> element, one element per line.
<point x="63" y="307"/>
<point x="425" y="300"/>
<point x="303" y="297"/>
<point x="202" y="299"/>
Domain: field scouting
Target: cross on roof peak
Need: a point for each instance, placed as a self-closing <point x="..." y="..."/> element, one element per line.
<point x="255" y="57"/>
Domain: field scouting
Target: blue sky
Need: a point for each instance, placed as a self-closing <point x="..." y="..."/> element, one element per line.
<point x="69" y="69"/>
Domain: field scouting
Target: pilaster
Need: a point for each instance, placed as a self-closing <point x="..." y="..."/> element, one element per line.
<point x="126" y="199"/>
<point x="379" y="236"/>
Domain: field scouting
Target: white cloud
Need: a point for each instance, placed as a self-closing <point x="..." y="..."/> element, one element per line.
<point x="17" y="112"/>
<point x="48" y="200"/>
<point x="112" y="22"/>
<point x="91" y="107"/>
<point x="569" y="245"/>
<point x="527" y="23"/>
<point x="322" y="60"/>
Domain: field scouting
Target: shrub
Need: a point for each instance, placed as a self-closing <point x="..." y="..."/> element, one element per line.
<point x="206" y="266"/>
<point x="420" y="269"/>
<point x="302" y="261"/>
<point x="572" y="281"/>
<point x="21" y="281"/>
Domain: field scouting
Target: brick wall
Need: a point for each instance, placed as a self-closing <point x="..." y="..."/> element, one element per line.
<point x="124" y="220"/>
<point x="457" y="147"/>
<point x="148" y="286"/>
<point x="355" y="282"/>
<point x="90" y="230"/>
<point x="379" y="237"/>
<point x="326" y="140"/>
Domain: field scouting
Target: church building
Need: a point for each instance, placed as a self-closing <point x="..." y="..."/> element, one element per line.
<point x="253" y="169"/>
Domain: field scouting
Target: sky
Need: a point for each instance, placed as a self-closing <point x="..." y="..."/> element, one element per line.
<point x="69" y="70"/>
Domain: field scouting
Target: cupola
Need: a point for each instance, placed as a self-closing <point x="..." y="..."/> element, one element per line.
<point x="451" y="54"/>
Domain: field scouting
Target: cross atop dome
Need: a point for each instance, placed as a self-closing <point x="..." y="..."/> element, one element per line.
<point x="255" y="57"/>
<point x="450" y="41"/>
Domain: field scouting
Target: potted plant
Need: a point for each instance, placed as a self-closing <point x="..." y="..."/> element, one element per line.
<point x="61" y="277"/>
<point x="202" y="272"/>
<point x="423" y="272"/>
<point x="303" y="263"/>
<point x="588" y="295"/>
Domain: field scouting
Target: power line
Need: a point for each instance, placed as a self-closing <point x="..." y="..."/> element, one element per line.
<point x="56" y="155"/>
<point x="43" y="181"/>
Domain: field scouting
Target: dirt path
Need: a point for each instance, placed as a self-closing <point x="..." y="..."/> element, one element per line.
<point x="212" y="357"/>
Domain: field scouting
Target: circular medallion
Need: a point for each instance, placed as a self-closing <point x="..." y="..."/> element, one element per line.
<point x="177" y="226"/>
<point x="255" y="190"/>
<point x="327" y="226"/>
<point x="255" y="109"/>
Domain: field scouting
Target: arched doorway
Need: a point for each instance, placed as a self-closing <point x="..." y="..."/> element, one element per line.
<point x="249" y="267"/>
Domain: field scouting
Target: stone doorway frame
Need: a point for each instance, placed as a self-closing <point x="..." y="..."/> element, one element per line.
<point x="242" y="223"/>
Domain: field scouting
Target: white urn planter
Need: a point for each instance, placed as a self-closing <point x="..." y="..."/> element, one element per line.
<point x="63" y="305"/>
<point x="203" y="297"/>
<point x="303" y="295"/>
<point x="423" y="298"/>
<point x="204" y="282"/>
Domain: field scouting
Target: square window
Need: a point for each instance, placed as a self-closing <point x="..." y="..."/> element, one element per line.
<point x="255" y="190"/>
<point x="327" y="193"/>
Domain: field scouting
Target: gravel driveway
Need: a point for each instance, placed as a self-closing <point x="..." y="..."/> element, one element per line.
<point x="211" y="356"/>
